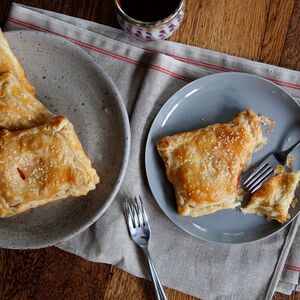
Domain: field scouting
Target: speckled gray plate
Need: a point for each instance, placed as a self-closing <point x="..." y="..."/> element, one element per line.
<point x="68" y="82"/>
<point x="216" y="99"/>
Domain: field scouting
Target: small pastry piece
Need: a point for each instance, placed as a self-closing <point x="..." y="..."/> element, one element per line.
<point x="204" y="165"/>
<point x="275" y="197"/>
<point x="9" y="63"/>
<point x="19" y="109"/>
<point x="41" y="165"/>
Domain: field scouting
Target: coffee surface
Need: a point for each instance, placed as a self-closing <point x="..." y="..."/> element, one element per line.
<point x="149" y="10"/>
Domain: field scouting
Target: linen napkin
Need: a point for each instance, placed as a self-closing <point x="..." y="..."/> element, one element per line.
<point x="147" y="74"/>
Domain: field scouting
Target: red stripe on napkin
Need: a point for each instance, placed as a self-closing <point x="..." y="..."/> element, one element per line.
<point x="293" y="268"/>
<point x="154" y="67"/>
<point x="222" y="69"/>
<point x="219" y="68"/>
<point x="103" y="51"/>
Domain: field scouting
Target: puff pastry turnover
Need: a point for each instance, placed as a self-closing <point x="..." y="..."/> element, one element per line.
<point x="275" y="197"/>
<point x="9" y="63"/>
<point x="204" y="165"/>
<point x="19" y="109"/>
<point x="41" y="165"/>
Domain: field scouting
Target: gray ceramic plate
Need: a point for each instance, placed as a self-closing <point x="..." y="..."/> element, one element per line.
<point x="216" y="99"/>
<point x="68" y="82"/>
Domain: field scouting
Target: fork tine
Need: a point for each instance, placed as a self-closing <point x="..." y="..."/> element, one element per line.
<point x="133" y="214"/>
<point x="143" y="211"/>
<point x="128" y="214"/>
<point x="260" y="178"/>
<point x="138" y="210"/>
<point x="255" y="172"/>
<point x="258" y="184"/>
<point x="129" y="211"/>
<point x="130" y="223"/>
<point x="258" y="175"/>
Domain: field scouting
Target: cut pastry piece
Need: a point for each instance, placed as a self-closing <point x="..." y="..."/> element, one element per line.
<point x="19" y="109"/>
<point x="204" y="165"/>
<point x="41" y="165"/>
<point x="275" y="197"/>
<point x="9" y="63"/>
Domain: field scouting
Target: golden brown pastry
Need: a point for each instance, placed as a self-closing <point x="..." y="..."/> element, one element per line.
<point x="18" y="108"/>
<point x="204" y="165"/>
<point x="275" y="197"/>
<point x="41" y="165"/>
<point x="9" y="63"/>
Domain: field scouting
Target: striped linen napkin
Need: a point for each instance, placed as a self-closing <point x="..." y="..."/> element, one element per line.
<point x="147" y="75"/>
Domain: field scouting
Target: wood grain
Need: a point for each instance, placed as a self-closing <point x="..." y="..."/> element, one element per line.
<point x="291" y="51"/>
<point x="54" y="274"/>
<point x="265" y="30"/>
<point x="276" y="30"/>
<point x="98" y="11"/>
<point x="50" y="274"/>
<point x="225" y="26"/>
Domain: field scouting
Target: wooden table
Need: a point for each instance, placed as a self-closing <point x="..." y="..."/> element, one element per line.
<point x="261" y="30"/>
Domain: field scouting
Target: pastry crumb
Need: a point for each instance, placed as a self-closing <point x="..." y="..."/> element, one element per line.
<point x="290" y="160"/>
<point x="280" y="170"/>
<point x="267" y="122"/>
<point x="294" y="202"/>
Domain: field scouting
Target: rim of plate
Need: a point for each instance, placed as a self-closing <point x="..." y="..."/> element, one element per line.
<point x="147" y="147"/>
<point x="125" y="130"/>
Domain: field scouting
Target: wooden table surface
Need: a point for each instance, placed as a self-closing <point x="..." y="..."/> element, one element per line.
<point x="261" y="30"/>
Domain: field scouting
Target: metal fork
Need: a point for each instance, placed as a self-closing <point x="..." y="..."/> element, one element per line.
<point x="139" y="230"/>
<point x="266" y="169"/>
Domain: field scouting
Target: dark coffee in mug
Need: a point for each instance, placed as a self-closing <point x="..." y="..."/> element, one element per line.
<point x="149" y="10"/>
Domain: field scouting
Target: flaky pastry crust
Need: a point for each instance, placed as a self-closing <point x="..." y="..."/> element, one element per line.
<point x="274" y="197"/>
<point x="19" y="109"/>
<point x="9" y="63"/>
<point x="204" y="165"/>
<point x="41" y="165"/>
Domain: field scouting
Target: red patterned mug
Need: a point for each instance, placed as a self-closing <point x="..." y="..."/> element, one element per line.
<point x="150" y="20"/>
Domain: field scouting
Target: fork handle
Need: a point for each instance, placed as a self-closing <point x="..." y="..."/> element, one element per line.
<point x="159" y="292"/>
<point x="285" y="153"/>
